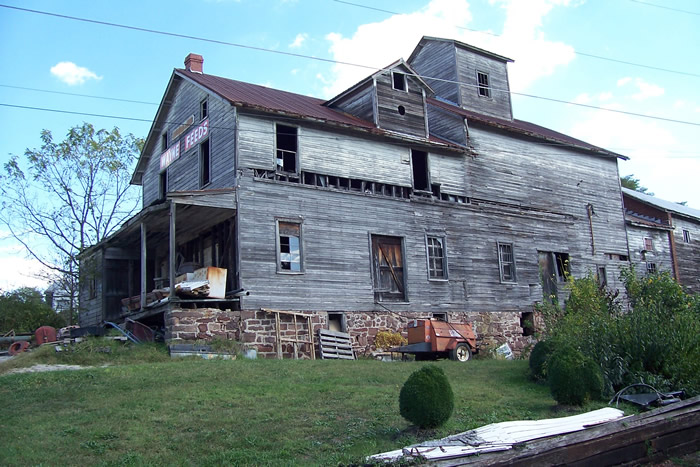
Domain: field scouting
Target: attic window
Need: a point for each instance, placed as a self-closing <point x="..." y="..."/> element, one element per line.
<point x="483" y="80"/>
<point x="398" y="81"/>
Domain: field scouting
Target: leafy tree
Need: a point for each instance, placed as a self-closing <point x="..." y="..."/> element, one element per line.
<point x="70" y="196"/>
<point x="24" y="310"/>
<point x="628" y="181"/>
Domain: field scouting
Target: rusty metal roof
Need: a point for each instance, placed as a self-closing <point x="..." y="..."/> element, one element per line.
<point x="256" y="97"/>
<point x="523" y="128"/>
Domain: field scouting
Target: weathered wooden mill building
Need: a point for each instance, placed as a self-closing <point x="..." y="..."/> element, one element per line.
<point x="414" y="193"/>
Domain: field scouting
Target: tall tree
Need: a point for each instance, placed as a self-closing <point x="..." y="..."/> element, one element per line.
<point x="628" y="181"/>
<point x="23" y="310"/>
<point x="69" y="196"/>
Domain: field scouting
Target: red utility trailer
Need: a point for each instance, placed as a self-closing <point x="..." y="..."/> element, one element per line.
<point x="430" y="339"/>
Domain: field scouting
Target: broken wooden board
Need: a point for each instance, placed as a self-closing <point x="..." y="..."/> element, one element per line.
<point x="197" y="289"/>
<point x="335" y="345"/>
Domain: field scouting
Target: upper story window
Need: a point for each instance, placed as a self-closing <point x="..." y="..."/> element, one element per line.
<point x="289" y="257"/>
<point x="388" y="279"/>
<point x="398" y="81"/>
<point x="421" y="172"/>
<point x="648" y="244"/>
<point x="204" y="109"/>
<point x="287" y="143"/>
<point x="163" y="185"/>
<point x="484" y="85"/>
<point x="204" y="164"/>
<point x="437" y="258"/>
<point x="164" y="141"/>
<point x="686" y="236"/>
<point x="506" y="262"/>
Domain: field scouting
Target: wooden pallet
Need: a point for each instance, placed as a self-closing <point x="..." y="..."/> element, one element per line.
<point x="334" y="344"/>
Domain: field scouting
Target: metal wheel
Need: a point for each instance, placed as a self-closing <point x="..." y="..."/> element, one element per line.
<point x="461" y="353"/>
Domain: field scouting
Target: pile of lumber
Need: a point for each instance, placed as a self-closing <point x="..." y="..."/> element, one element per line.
<point x="193" y="289"/>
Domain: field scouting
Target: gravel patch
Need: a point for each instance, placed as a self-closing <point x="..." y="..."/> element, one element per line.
<point x="41" y="367"/>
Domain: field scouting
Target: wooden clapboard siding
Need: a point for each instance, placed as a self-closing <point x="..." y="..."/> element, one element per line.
<point x="359" y="103"/>
<point x="183" y="174"/>
<point x="660" y="254"/>
<point x="449" y="170"/>
<point x="468" y="63"/>
<point x="256" y="147"/>
<point x="91" y="309"/>
<point x="688" y="254"/>
<point x="447" y="125"/>
<point x="437" y="59"/>
<point x="389" y="100"/>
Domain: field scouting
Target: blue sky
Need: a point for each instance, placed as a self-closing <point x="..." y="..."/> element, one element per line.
<point x="550" y="41"/>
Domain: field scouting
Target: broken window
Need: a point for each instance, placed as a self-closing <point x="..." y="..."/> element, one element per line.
<point x="287" y="147"/>
<point x="204" y="164"/>
<point x="686" y="236"/>
<point x="398" y="81"/>
<point x="388" y="269"/>
<point x="651" y="268"/>
<point x="602" y="276"/>
<point x="506" y="262"/>
<point x="648" y="244"/>
<point x="289" y="257"/>
<point x="554" y="268"/>
<point x="483" y="80"/>
<point x="437" y="260"/>
<point x="92" y="288"/>
<point x="421" y="174"/>
<point x="203" y="109"/>
<point x="163" y="185"/>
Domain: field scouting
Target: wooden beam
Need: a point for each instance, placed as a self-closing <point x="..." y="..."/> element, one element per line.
<point x="143" y="264"/>
<point x="171" y="248"/>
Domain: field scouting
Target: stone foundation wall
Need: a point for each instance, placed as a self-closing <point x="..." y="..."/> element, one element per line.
<point x="256" y="328"/>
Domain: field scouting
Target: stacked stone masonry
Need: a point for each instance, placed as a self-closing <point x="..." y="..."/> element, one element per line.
<point x="256" y="329"/>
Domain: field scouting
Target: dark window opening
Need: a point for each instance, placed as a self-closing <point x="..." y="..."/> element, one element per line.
<point x="336" y="322"/>
<point x="92" y="288"/>
<point x="421" y="174"/>
<point x="602" y="276"/>
<point x="398" y="81"/>
<point x="163" y="185"/>
<point x="483" y="79"/>
<point x="289" y="253"/>
<point x="624" y="258"/>
<point x="164" y="140"/>
<point x="287" y="147"/>
<point x="204" y="164"/>
<point x="437" y="261"/>
<point x="388" y="269"/>
<point x="554" y="269"/>
<point x="203" y="109"/>
<point x="506" y="262"/>
<point x="440" y="317"/>
<point x="527" y="322"/>
<point x="686" y="236"/>
<point x="402" y="110"/>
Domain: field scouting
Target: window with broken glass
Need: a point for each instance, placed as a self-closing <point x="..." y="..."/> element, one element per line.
<point x="286" y="150"/>
<point x="437" y="258"/>
<point x="506" y="262"/>
<point x="388" y="269"/>
<point x="289" y="254"/>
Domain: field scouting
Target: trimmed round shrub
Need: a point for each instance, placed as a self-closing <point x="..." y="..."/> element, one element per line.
<point x="426" y="398"/>
<point x="538" y="359"/>
<point x="573" y="378"/>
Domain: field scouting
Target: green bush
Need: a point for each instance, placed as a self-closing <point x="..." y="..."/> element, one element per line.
<point x="426" y="398"/>
<point x="538" y="359"/>
<point x="574" y="379"/>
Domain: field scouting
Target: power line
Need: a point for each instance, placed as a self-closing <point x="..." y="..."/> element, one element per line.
<point x="584" y="54"/>
<point x="332" y="61"/>
<point x="666" y="7"/>
<point x="78" y="95"/>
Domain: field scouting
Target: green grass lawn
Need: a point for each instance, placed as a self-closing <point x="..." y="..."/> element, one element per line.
<point x="242" y="412"/>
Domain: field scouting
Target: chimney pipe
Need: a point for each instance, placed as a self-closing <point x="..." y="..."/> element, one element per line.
<point x="194" y="62"/>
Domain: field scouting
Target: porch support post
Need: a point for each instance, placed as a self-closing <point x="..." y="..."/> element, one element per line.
<point x="171" y="276"/>
<point x="143" y="264"/>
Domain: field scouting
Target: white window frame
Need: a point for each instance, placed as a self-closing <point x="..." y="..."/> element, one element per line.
<point x="405" y="81"/>
<point x="429" y="258"/>
<point x="483" y="90"/>
<point x="686" y="236"/>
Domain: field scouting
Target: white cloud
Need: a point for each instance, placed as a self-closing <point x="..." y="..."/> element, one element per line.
<point x="522" y="40"/>
<point x="72" y="74"/>
<point x="644" y="90"/>
<point x="584" y="98"/>
<point x="299" y="40"/>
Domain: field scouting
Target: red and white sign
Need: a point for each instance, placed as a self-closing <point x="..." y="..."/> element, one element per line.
<point x="170" y="156"/>
<point x="196" y="135"/>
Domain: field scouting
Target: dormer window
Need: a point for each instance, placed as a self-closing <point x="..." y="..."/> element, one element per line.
<point x="398" y="81"/>
<point x="483" y="81"/>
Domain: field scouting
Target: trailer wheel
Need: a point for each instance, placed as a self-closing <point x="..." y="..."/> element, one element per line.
<point x="461" y="353"/>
